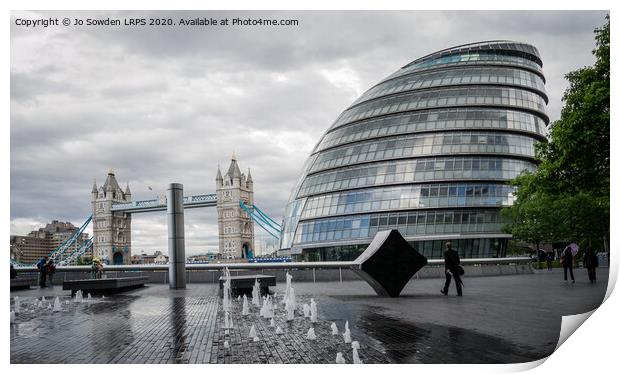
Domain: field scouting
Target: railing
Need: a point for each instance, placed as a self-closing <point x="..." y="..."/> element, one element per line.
<point x="276" y="265"/>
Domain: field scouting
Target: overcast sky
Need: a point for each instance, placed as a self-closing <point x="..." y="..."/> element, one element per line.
<point x="168" y="104"/>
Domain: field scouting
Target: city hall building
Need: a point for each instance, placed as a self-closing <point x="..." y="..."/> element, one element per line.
<point x="428" y="151"/>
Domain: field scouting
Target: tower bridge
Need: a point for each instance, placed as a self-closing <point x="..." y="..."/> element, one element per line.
<point x="112" y="210"/>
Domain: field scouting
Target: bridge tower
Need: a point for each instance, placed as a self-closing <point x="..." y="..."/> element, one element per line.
<point x="235" y="227"/>
<point x="111" y="230"/>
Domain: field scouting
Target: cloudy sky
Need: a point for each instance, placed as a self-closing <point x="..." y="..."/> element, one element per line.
<point x="168" y="104"/>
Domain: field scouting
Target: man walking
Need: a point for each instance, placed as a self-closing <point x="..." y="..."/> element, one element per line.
<point x="549" y="260"/>
<point x="42" y="271"/>
<point x="452" y="269"/>
<point x="567" y="263"/>
<point x="590" y="261"/>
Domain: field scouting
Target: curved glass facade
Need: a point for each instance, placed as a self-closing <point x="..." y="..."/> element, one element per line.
<point x="436" y="120"/>
<point x="420" y="145"/>
<point x="428" y="151"/>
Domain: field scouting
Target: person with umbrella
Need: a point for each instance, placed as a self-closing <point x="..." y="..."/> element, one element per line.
<point x="567" y="259"/>
<point x="453" y="269"/>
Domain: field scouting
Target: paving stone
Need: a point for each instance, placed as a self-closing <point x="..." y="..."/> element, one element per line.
<point x="158" y="325"/>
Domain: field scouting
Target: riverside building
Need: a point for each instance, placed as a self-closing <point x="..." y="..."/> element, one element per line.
<point x="428" y="151"/>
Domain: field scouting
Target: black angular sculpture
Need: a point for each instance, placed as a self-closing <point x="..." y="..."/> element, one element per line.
<point x="388" y="263"/>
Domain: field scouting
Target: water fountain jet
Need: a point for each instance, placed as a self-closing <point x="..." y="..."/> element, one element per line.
<point x="57" y="305"/>
<point x="245" y="310"/>
<point x="334" y="328"/>
<point x="311" y="335"/>
<point x="18" y="308"/>
<point x="340" y="359"/>
<point x="256" y="293"/>
<point x="347" y="333"/>
<point x="228" y="323"/>
<point x="356" y="357"/>
<point x="313" y="311"/>
<point x="227" y="291"/>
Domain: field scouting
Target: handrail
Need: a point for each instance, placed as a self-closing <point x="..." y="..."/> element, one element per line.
<point x="276" y="265"/>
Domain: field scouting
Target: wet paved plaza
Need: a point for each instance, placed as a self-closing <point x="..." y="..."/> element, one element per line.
<point x="500" y="320"/>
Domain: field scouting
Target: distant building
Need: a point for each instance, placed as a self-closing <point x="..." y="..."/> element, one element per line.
<point x="136" y="260"/>
<point x="161" y="259"/>
<point x="157" y="258"/>
<point x="236" y="229"/>
<point x="39" y="243"/>
<point x="202" y="258"/>
<point x="265" y="244"/>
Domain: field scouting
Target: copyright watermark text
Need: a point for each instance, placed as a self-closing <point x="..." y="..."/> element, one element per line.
<point x="138" y="22"/>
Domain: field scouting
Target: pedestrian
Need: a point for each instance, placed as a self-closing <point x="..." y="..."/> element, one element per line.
<point x="590" y="261"/>
<point x="549" y="260"/>
<point x="96" y="268"/>
<point x="567" y="262"/>
<point x="13" y="272"/>
<point x="50" y="270"/>
<point x="452" y="269"/>
<point x="42" y="271"/>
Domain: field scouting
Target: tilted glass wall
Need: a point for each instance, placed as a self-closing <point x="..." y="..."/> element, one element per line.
<point x="428" y="151"/>
<point x="436" y="120"/>
<point x="468" y="248"/>
<point x="458" y="77"/>
<point x="417" y="170"/>
<point x="407" y="146"/>
<point x="446" y="97"/>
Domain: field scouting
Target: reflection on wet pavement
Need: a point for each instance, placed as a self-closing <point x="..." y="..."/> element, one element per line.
<point x="188" y="329"/>
<point x="405" y="342"/>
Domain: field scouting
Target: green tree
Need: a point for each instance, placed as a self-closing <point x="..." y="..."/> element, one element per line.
<point x="567" y="198"/>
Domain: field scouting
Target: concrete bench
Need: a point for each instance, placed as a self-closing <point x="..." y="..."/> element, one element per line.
<point x="104" y="285"/>
<point x="21" y="283"/>
<point x="243" y="284"/>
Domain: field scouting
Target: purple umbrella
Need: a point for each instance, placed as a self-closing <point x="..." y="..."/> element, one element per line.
<point x="574" y="248"/>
